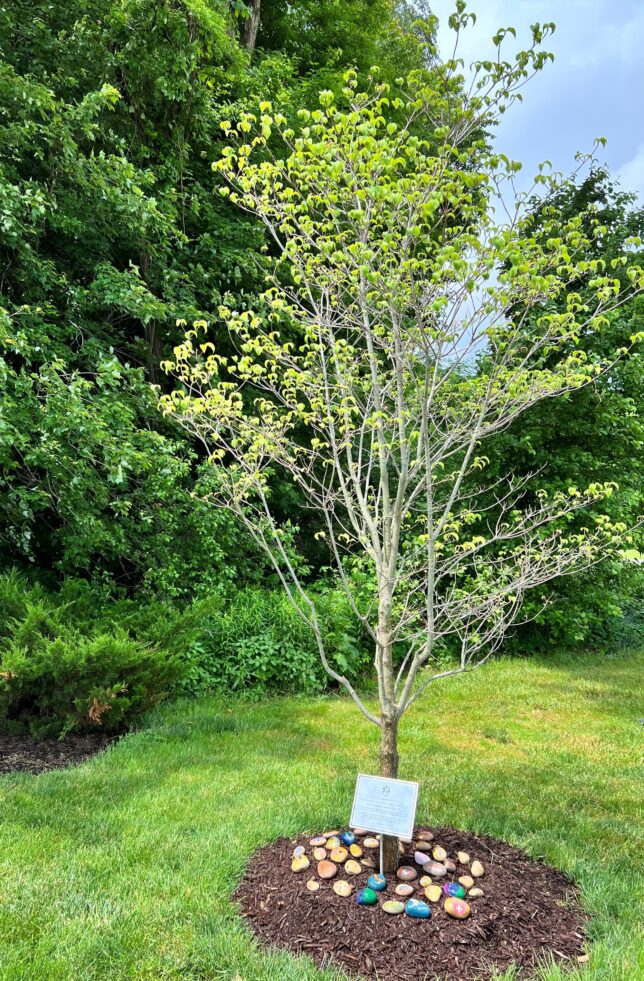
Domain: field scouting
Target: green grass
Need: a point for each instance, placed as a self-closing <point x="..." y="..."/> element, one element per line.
<point x="123" y="868"/>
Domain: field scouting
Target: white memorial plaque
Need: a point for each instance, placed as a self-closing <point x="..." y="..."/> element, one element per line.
<point x="384" y="806"/>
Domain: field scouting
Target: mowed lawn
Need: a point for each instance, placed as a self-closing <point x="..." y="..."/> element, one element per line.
<point x="123" y="868"/>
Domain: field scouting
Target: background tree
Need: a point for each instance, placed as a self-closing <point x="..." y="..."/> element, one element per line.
<point x="359" y="358"/>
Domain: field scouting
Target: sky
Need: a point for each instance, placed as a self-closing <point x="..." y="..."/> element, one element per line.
<point x="595" y="87"/>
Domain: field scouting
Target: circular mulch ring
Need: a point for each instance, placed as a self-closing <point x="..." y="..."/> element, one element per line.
<point x="22" y="754"/>
<point x="529" y="912"/>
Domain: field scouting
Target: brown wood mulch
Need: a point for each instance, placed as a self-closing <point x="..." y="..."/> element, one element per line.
<point x="20" y="753"/>
<point x="529" y="913"/>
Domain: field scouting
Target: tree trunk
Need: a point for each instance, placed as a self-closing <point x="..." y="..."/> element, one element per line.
<point x="389" y="768"/>
<point x="251" y="27"/>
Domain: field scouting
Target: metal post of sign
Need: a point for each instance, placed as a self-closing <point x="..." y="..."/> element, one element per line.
<point x="381" y="855"/>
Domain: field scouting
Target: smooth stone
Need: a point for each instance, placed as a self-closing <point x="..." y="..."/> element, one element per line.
<point x="425" y="881"/>
<point x="356" y="851"/>
<point x="360" y="832"/>
<point x="352" y="867"/>
<point x="368" y="863"/>
<point x="326" y="869"/>
<point x="339" y="855"/>
<point x="439" y="853"/>
<point x="299" y="851"/>
<point x="313" y="885"/>
<point x="401" y="848"/>
<point x="404" y="889"/>
<point x="420" y="858"/>
<point x="449" y="865"/>
<point x="333" y="842"/>
<point x="424" y="836"/>
<point x="347" y="838"/>
<point x="417" y="909"/>
<point x="393" y="906"/>
<point x="330" y="834"/>
<point x="463" y="858"/>
<point x="467" y="881"/>
<point x="457" y="908"/>
<point x="422" y="846"/>
<point x="406" y="873"/>
<point x="371" y="843"/>
<point x="366" y="897"/>
<point x="433" y="893"/>
<point x="477" y="870"/>
<point x="342" y="888"/>
<point x="317" y="842"/>
<point x="300" y="863"/>
<point x="453" y="889"/>
<point x="436" y="869"/>
<point x="475" y="893"/>
<point x="319" y="854"/>
<point x="377" y="882"/>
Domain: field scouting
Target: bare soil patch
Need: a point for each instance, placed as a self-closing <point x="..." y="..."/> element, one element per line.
<point x="20" y="753"/>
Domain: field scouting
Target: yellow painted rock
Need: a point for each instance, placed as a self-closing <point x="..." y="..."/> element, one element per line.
<point x="477" y="870"/>
<point x="457" y="908"/>
<point x="467" y="881"/>
<point x="426" y="880"/>
<point x="313" y="885"/>
<point x="339" y="855"/>
<point x="333" y="842"/>
<point x="352" y="867"/>
<point x="439" y="853"/>
<point x="463" y="858"/>
<point x="342" y="888"/>
<point x="433" y="893"/>
<point x="475" y="893"/>
<point x="300" y="864"/>
<point x="356" y="851"/>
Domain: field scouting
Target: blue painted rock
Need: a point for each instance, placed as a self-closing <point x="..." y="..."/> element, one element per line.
<point x="457" y="908"/>
<point x="317" y="842"/>
<point x="418" y="909"/>
<point x="420" y="858"/>
<point x="406" y="873"/>
<point x="453" y="889"/>
<point x="436" y="869"/>
<point x="393" y="906"/>
<point x="299" y="851"/>
<point x="366" y="897"/>
<point x="377" y="882"/>
<point x="347" y="838"/>
<point x="404" y="889"/>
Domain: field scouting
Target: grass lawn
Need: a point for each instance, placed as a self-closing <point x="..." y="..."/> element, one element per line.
<point x="123" y="868"/>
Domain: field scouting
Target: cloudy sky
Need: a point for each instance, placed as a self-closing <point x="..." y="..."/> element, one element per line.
<point x="594" y="88"/>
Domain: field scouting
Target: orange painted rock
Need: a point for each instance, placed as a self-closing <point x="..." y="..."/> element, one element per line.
<point x="326" y="869"/>
<point x="339" y="855"/>
<point x="457" y="908"/>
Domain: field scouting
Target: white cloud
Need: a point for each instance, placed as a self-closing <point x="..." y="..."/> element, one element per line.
<point x="631" y="174"/>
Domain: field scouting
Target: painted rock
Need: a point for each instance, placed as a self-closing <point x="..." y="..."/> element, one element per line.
<point x="319" y="854"/>
<point x="420" y="858"/>
<point x="406" y="873"/>
<point x="453" y="889"/>
<point x="330" y="834"/>
<point x="366" y="897"/>
<point x="342" y="888"/>
<point x="463" y="858"/>
<point x="477" y="870"/>
<point x="368" y="863"/>
<point x="424" y="836"/>
<point x="347" y="838"/>
<point x="433" y="893"/>
<point x="466" y="881"/>
<point x="360" y="832"/>
<point x="401" y="848"/>
<point x="352" y="867"/>
<point x="377" y="882"/>
<point x="300" y="864"/>
<point x="457" y="908"/>
<point x="417" y="909"/>
<point x="371" y="843"/>
<point x="332" y="842"/>
<point x="475" y="893"/>
<point x="439" y="853"/>
<point x="299" y="851"/>
<point x="356" y="851"/>
<point x="313" y="885"/>
<point x="422" y="846"/>
<point x="436" y="869"/>
<point x="317" y="842"/>
<point x="449" y="865"/>
<point x="339" y="855"/>
<point x="326" y="869"/>
<point x="425" y="881"/>
<point x="393" y="906"/>
<point x="404" y="889"/>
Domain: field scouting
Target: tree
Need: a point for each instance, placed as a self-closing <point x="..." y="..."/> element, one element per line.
<point x="355" y="374"/>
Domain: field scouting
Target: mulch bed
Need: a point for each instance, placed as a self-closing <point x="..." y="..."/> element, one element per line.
<point x="529" y="913"/>
<point x="20" y="753"/>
